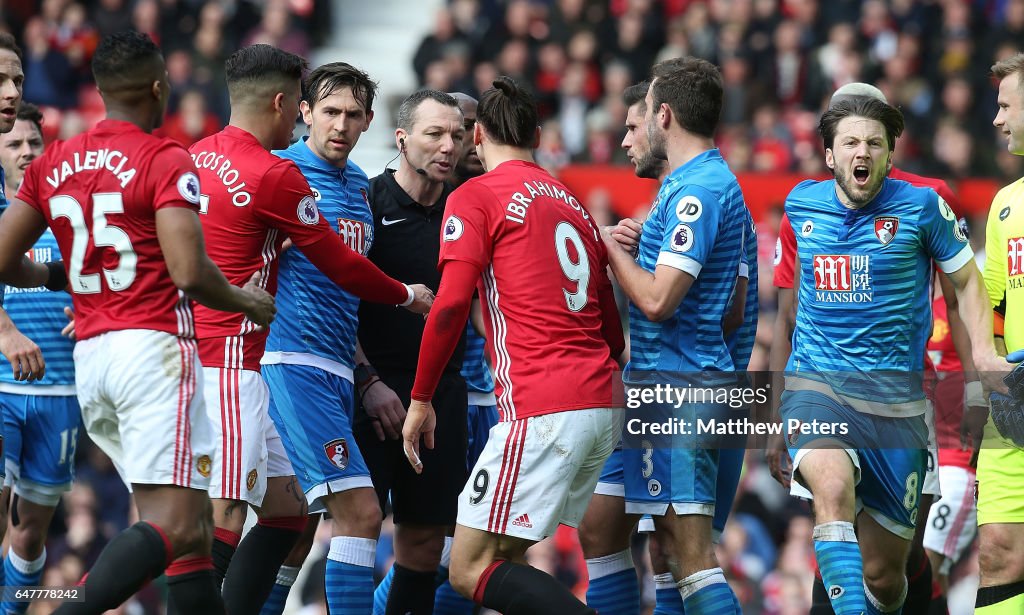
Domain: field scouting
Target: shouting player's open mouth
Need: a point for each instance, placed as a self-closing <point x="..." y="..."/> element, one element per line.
<point x="861" y="175"/>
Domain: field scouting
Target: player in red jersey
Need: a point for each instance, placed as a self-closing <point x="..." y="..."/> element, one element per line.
<point x="919" y="572"/>
<point x="953" y="518"/>
<point x="123" y="206"/>
<point x="252" y="200"/>
<point x="552" y="330"/>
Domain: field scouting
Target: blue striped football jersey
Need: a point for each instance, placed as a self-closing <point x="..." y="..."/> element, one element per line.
<point x="864" y="301"/>
<point x="696" y="225"/>
<point x="39" y="315"/>
<point x="474" y="367"/>
<point x="315" y="317"/>
<point x="741" y="341"/>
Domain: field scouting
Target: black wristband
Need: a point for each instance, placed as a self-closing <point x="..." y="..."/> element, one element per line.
<point x="363" y="373"/>
<point x="58" y="278"/>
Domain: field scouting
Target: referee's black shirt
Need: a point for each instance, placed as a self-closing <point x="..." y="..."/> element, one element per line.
<point x="406" y="243"/>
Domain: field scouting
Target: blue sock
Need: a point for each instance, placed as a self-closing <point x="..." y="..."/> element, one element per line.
<point x="707" y="593"/>
<point x="447" y="601"/>
<point x="842" y="570"/>
<point x="21" y="573"/>
<point x="667" y="600"/>
<point x="877" y="608"/>
<point x="380" y="595"/>
<point x="613" y="588"/>
<point x="275" y="602"/>
<point x="349" y="575"/>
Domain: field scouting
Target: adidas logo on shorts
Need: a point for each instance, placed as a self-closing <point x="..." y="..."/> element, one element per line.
<point x="523" y="520"/>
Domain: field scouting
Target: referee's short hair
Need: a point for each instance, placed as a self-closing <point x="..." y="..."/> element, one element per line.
<point x="508" y="113"/>
<point x="407" y="111"/>
<point x="258" y="71"/>
<point x="329" y="78"/>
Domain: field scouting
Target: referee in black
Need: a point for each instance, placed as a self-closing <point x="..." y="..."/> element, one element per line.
<point x="408" y="211"/>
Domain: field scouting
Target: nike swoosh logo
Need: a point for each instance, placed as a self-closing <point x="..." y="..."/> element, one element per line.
<point x="387" y="222"/>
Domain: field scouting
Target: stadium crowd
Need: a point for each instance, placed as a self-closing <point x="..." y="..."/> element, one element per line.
<point x="780" y="64"/>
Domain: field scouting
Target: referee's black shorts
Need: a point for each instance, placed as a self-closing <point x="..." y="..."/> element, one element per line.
<point x="430" y="498"/>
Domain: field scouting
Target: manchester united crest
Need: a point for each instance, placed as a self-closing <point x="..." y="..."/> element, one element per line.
<point x="250" y="480"/>
<point x="885" y="228"/>
<point x="203" y="465"/>
<point x="337" y="452"/>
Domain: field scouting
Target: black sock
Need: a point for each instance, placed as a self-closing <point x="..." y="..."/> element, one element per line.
<point x="224" y="544"/>
<point x="987" y="596"/>
<point x="191" y="588"/>
<point x="133" y="558"/>
<point x="919" y="582"/>
<point x="411" y="592"/>
<point x="820" y="604"/>
<point x="514" y="589"/>
<point x="254" y="567"/>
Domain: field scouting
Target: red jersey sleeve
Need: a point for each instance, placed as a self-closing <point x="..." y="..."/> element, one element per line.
<point x="949" y="197"/>
<point x="173" y="178"/>
<point x="471" y="226"/>
<point x="292" y="207"/>
<point x="785" y="255"/>
<point x="29" y="190"/>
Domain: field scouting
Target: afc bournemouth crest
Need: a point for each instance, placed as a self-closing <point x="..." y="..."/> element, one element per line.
<point x="337" y="452"/>
<point x="203" y="465"/>
<point x="885" y="228"/>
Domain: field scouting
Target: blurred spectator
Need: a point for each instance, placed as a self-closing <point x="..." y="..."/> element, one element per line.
<point x="111" y="16"/>
<point x="432" y="48"/>
<point x="191" y="122"/>
<point x="277" y="30"/>
<point x="49" y="76"/>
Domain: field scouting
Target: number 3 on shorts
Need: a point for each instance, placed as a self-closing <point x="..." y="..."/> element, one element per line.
<point x="480" y="482"/>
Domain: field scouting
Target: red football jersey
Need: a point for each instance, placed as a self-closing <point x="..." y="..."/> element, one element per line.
<point x="99" y="192"/>
<point x="948" y="396"/>
<point x="785" y="249"/>
<point x="252" y="201"/>
<point x="543" y="262"/>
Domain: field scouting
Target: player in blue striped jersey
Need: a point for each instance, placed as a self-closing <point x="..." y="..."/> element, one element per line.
<point x="41" y="418"/>
<point x="864" y="243"/>
<point x="309" y="361"/>
<point x="679" y="288"/>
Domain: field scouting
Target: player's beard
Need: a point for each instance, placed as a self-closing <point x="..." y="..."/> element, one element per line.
<point x="647" y="166"/>
<point x="860" y="196"/>
<point x="658" y="141"/>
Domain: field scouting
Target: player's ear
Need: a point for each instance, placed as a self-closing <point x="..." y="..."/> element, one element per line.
<point x="279" y="102"/>
<point x="536" y="139"/>
<point x="307" y="113"/>
<point x="157" y="89"/>
<point x="665" y="116"/>
<point x="478" y="134"/>
<point x="369" y="118"/>
<point x="830" y="160"/>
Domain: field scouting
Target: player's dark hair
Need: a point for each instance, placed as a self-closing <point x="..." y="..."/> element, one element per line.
<point x="126" y="60"/>
<point x="28" y="111"/>
<point x="861" y="106"/>
<point x="407" y="111"/>
<point x="636" y="94"/>
<point x="692" y="89"/>
<point x="327" y="79"/>
<point x="1010" y="66"/>
<point x="7" y="42"/>
<point x="508" y="113"/>
<point x="261" y="70"/>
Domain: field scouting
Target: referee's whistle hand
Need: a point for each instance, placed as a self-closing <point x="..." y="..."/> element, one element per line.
<point x="423" y="298"/>
<point x="420" y="420"/>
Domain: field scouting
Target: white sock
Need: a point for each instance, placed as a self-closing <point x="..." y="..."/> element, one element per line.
<point x="355" y="551"/>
